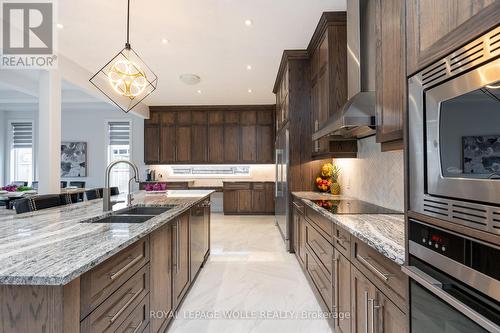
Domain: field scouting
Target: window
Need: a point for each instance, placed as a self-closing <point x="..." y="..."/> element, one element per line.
<point x="119" y="149"/>
<point x="21" y="153"/>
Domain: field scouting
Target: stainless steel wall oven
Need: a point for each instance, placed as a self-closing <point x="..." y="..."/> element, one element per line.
<point x="454" y="136"/>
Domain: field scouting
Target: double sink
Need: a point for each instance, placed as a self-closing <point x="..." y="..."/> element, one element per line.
<point x="134" y="215"/>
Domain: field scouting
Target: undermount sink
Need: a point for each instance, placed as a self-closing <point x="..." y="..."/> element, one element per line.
<point x="152" y="211"/>
<point x="124" y="219"/>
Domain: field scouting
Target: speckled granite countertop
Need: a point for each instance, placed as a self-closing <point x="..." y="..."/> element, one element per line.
<point x="383" y="232"/>
<point x="52" y="247"/>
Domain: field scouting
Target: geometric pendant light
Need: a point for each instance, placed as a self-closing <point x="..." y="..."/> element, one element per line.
<point x="126" y="80"/>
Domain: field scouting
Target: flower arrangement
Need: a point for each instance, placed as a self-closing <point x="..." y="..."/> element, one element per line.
<point x="14" y="188"/>
<point x="328" y="179"/>
<point x="155" y="187"/>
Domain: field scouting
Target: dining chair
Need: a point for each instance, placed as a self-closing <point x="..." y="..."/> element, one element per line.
<point x="92" y="194"/>
<point x="78" y="184"/>
<point x="64" y="184"/>
<point x="39" y="202"/>
<point x="34" y="184"/>
<point x="19" y="183"/>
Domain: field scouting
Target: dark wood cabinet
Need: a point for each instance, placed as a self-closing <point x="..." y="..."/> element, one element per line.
<point x="161" y="275"/>
<point x="211" y="134"/>
<point x="248" y="198"/>
<point x="151" y="150"/>
<point x="181" y="256"/>
<point x="327" y="52"/>
<point x="436" y="28"/>
<point x="390" y="69"/>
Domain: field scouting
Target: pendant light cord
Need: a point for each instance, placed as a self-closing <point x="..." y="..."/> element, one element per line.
<point x="127" y="45"/>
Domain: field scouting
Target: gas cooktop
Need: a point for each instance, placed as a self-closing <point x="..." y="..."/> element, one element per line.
<point x="352" y="207"/>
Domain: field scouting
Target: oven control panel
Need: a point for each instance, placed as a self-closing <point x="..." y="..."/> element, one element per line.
<point x="439" y="241"/>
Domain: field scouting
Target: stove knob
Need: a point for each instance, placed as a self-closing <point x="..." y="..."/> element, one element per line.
<point x="443" y="249"/>
<point x="424" y="240"/>
<point x="430" y="242"/>
<point x="436" y="246"/>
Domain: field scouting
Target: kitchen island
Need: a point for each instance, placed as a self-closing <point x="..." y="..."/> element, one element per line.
<point x="62" y="270"/>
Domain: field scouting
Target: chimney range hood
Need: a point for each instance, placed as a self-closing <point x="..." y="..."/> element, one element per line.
<point x="357" y="117"/>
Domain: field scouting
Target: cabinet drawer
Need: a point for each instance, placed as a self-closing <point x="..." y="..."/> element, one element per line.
<point x="98" y="284"/>
<point x="178" y="186"/>
<point x="319" y="278"/>
<point x="259" y="186"/>
<point x="138" y="320"/>
<point x="386" y="274"/>
<point x="237" y="186"/>
<point x="297" y="203"/>
<point x="108" y="316"/>
<point x="321" y="248"/>
<point x="342" y="241"/>
<point x="321" y="222"/>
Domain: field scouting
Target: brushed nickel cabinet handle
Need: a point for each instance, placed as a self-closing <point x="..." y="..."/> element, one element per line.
<point x="366" y="312"/>
<point x="366" y="261"/>
<point x="341" y="239"/>
<point x="136" y="328"/>
<point x="122" y="270"/>
<point x="116" y="315"/>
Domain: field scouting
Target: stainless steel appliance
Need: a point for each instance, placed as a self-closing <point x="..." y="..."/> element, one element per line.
<point x="454" y="136"/>
<point x="282" y="197"/>
<point x="454" y="282"/>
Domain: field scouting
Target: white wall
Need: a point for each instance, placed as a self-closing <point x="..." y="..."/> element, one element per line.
<point x="374" y="176"/>
<point x="90" y="127"/>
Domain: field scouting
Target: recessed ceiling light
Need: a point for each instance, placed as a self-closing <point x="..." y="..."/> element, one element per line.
<point x="59" y="26"/>
<point x="249" y="67"/>
<point x="249" y="91"/>
<point x="165" y="41"/>
<point x="248" y="22"/>
<point x="198" y="91"/>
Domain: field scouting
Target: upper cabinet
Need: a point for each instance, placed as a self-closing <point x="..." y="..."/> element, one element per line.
<point x="327" y="52"/>
<point x="210" y="135"/>
<point x="435" y="28"/>
<point x="390" y="78"/>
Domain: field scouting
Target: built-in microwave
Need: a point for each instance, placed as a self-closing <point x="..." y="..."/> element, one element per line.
<point x="454" y="136"/>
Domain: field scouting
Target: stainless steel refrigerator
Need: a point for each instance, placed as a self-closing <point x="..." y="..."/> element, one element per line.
<point x="281" y="194"/>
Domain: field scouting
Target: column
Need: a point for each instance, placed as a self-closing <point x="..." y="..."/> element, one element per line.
<point x="49" y="132"/>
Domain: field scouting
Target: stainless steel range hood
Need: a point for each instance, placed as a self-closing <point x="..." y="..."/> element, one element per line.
<point x="357" y="117"/>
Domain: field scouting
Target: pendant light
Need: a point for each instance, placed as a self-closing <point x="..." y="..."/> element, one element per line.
<point x="126" y="80"/>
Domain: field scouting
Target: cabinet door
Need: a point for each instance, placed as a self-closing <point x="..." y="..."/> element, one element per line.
<point x="230" y="201"/>
<point x="183" y="144"/>
<point x="435" y="28"/>
<point x="231" y="143"/>
<point x="265" y="144"/>
<point x="216" y="144"/>
<point x="391" y="71"/>
<point x="151" y="144"/>
<point x="180" y="251"/>
<point x="362" y="291"/>
<point x="168" y="144"/>
<point x="199" y="144"/>
<point x="161" y="274"/>
<point x="206" y="228"/>
<point x="295" y="216"/>
<point x="342" y="290"/>
<point x="249" y="144"/>
<point x="388" y="317"/>
<point x="259" y="201"/>
<point x="302" y="239"/>
<point x="270" y="187"/>
<point x="244" y="201"/>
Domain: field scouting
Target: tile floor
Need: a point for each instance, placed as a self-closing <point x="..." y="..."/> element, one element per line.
<point x="250" y="274"/>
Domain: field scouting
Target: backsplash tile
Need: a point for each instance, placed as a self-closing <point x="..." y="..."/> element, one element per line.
<point x="375" y="176"/>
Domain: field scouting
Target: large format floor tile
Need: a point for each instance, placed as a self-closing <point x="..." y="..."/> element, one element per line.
<point x="249" y="274"/>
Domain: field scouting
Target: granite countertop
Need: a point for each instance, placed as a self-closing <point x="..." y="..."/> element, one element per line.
<point x="53" y="247"/>
<point x="383" y="232"/>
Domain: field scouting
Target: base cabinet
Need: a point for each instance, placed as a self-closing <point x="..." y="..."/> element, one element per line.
<point x="181" y="256"/>
<point x="248" y="198"/>
<point x="334" y="262"/>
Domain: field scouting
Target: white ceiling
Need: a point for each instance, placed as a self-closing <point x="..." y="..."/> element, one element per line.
<point x="206" y="37"/>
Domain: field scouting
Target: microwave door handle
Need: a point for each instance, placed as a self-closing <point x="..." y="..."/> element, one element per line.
<point x="435" y="287"/>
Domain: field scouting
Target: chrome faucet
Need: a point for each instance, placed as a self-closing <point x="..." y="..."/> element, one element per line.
<point x="106" y="197"/>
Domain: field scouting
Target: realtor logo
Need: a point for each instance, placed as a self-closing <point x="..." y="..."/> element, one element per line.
<point x="27" y="35"/>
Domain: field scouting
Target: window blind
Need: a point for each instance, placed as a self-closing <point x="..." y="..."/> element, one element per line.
<point x="119" y="132"/>
<point x="22" y="135"/>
